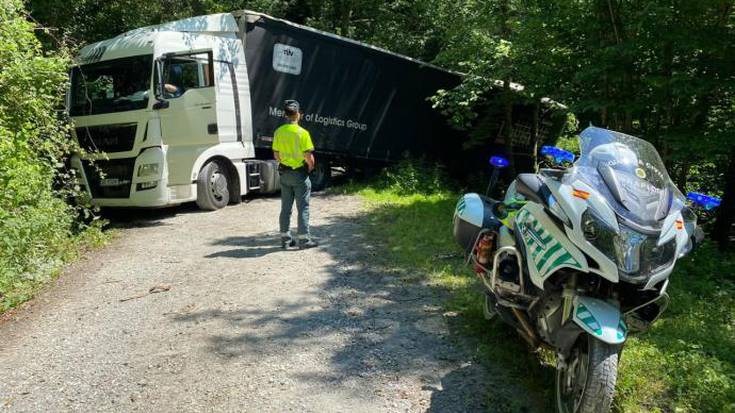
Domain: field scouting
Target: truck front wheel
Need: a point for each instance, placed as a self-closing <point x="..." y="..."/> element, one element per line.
<point x="212" y="187"/>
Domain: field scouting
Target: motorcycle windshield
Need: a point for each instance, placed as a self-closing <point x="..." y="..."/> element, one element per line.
<point x="629" y="171"/>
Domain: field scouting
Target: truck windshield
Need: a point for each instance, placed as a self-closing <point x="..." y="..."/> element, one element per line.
<point x="111" y="86"/>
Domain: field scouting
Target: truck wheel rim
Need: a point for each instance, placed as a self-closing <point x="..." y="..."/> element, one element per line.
<point x="571" y="380"/>
<point x="218" y="185"/>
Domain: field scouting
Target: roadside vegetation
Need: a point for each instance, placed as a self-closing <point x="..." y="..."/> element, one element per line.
<point x="39" y="228"/>
<point x="686" y="363"/>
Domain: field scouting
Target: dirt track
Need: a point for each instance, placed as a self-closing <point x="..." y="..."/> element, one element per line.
<point x="244" y="326"/>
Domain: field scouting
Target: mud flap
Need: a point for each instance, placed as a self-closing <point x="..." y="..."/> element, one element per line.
<point x="600" y="319"/>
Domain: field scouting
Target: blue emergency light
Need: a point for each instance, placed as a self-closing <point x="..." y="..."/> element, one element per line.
<point x="559" y="155"/>
<point x="499" y="162"/>
<point x="706" y="201"/>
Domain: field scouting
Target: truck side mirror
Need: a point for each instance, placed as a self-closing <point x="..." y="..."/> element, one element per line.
<point x="161" y="103"/>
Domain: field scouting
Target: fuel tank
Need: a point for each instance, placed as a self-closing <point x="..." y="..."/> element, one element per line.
<point x="472" y="214"/>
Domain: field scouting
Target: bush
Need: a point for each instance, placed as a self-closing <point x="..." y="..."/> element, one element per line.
<point x="36" y="224"/>
<point x="412" y="177"/>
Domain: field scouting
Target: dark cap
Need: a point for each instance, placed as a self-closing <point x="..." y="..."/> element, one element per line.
<point x="291" y="106"/>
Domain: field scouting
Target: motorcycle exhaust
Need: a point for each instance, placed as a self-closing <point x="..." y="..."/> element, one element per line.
<point x="526" y="331"/>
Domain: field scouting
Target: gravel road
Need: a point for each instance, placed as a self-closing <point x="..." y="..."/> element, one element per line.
<point x="240" y="326"/>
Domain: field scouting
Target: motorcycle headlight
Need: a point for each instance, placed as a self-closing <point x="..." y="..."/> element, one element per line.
<point x="635" y="254"/>
<point x="599" y="234"/>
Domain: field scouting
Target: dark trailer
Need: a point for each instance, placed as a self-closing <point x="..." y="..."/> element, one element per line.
<point x="360" y="103"/>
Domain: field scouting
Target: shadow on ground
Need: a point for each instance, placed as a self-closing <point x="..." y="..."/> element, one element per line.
<point x="119" y="217"/>
<point x="395" y="322"/>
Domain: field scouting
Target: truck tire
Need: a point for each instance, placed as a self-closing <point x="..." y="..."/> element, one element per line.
<point x="212" y="187"/>
<point x="321" y="175"/>
<point x="598" y="363"/>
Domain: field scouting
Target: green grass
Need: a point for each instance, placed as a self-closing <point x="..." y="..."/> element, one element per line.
<point x="686" y="363"/>
<point x="16" y="288"/>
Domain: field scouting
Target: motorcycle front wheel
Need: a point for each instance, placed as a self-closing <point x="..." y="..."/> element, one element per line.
<point x="585" y="382"/>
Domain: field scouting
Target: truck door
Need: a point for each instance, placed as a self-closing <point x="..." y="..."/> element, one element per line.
<point x="189" y="122"/>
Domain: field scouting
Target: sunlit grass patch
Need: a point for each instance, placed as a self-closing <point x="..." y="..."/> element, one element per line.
<point x="687" y="361"/>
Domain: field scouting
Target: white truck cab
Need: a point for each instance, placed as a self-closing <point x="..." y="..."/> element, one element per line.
<point x="154" y="143"/>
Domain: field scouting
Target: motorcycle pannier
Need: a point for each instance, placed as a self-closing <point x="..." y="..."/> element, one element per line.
<point x="473" y="213"/>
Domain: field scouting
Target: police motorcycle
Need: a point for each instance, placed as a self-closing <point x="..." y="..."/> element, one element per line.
<point x="578" y="257"/>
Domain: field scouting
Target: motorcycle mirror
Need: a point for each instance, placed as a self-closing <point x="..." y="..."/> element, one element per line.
<point x="705" y="201"/>
<point x="557" y="154"/>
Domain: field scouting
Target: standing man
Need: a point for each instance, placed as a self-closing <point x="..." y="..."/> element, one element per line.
<point x="293" y="149"/>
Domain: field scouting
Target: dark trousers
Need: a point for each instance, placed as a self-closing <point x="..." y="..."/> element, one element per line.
<point x="295" y="186"/>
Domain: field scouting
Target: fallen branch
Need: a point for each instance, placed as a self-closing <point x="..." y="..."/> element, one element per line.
<point x="154" y="290"/>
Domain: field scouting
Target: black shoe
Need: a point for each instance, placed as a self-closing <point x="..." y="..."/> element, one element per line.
<point x="307" y="243"/>
<point x="287" y="242"/>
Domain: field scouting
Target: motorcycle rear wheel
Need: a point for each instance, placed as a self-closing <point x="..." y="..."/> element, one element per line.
<point x="586" y="382"/>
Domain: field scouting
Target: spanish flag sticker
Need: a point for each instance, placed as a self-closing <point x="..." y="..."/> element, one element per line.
<point x="580" y="193"/>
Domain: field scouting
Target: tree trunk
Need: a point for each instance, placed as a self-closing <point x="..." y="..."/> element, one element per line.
<point x="682" y="176"/>
<point x="508" y="129"/>
<point x="343" y="12"/>
<point x="535" y="127"/>
<point x="726" y="213"/>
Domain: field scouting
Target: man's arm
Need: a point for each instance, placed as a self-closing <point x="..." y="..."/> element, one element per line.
<point x="308" y="148"/>
<point x="309" y="158"/>
<point x="277" y="156"/>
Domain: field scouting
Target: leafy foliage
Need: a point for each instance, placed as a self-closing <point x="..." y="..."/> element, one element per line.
<point x="657" y="69"/>
<point x="36" y="224"/>
<point x="412" y="176"/>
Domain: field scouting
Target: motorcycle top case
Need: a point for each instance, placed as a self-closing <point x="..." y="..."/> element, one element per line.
<point x="472" y="214"/>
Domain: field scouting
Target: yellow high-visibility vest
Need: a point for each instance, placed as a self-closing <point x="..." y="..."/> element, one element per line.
<point x="291" y="141"/>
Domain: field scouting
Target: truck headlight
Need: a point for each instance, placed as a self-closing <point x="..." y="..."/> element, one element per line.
<point x="148" y="169"/>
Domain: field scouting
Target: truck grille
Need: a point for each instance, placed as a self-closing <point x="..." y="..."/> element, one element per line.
<point x="111" y="178"/>
<point x="107" y="138"/>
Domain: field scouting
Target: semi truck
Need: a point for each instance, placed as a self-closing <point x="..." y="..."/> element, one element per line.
<point x="185" y="111"/>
